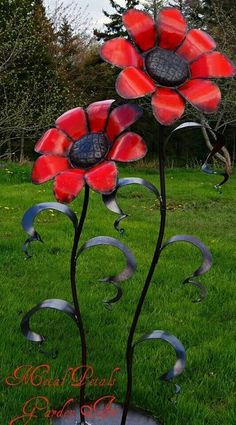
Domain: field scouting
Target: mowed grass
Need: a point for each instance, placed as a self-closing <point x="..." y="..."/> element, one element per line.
<point x="207" y="330"/>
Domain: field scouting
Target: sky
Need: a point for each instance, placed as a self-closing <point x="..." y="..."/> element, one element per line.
<point x="94" y="8"/>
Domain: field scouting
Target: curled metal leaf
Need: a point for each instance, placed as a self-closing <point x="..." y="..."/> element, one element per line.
<point x="208" y="170"/>
<point x="202" y="289"/>
<point x="205" y="266"/>
<point x="117" y="223"/>
<point x="111" y="202"/>
<point x="55" y="304"/>
<point x="187" y="125"/>
<point x="30" y="215"/>
<point x="176" y="345"/>
<point x="129" y="270"/>
<point x="118" y="296"/>
<point x="220" y="142"/>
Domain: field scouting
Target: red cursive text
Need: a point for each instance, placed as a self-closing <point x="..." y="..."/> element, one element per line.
<point x="38" y="407"/>
<point x="39" y="376"/>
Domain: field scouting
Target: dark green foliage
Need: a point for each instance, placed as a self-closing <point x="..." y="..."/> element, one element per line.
<point x="96" y="79"/>
<point x="115" y="27"/>
<point x="152" y="7"/>
<point x="203" y="12"/>
<point x="67" y="45"/>
<point x="30" y="88"/>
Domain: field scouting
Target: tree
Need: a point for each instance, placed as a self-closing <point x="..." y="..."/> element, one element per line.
<point x="193" y="10"/>
<point x="30" y="89"/>
<point x="152" y="7"/>
<point x="94" y="79"/>
<point x="67" y="48"/>
<point x="115" y="27"/>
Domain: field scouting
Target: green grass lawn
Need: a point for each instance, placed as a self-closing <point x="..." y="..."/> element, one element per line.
<point x="207" y="330"/>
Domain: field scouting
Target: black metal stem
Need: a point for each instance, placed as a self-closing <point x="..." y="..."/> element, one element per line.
<point x="129" y="350"/>
<point x="78" y="232"/>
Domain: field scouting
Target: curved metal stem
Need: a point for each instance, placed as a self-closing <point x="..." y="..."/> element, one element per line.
<point x="78" y="232"/>
<point x="129" y="350"/>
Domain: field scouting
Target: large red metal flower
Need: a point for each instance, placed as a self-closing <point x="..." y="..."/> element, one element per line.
<point x="169" y="62"/>
<point x="83" y="147"/>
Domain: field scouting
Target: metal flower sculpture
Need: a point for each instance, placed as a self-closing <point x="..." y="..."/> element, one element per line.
<point x="80" y="152"/>
<point x="169" y="62"/>
<point x="173" y="65"/>
<point x="83" y="147"/>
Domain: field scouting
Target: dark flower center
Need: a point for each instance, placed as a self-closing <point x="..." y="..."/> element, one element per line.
<point x="89" y="150"/>
<point x="166" y="67"/>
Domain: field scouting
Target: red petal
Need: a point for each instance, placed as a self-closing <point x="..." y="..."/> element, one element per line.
<point x="202" y="94"/>
<point x="74" y="123"/>
<point x="128" y="147"/>
<point x="133" y="83"/>
<point x="167" y="106"/>
<point x="120" y="52"/>
<point x="103" y="177"/>
<point x="212" y="65"/>
<point x="172" y="28"/>
<point x="121" y="118"/>
<point x="53" y="142"/>
<point x="195" y="44"/>
<point x="141" y="28"/>
<point x="48" y="166"/>
<point x="67" y="185"/>
<point x="98" y="114"/>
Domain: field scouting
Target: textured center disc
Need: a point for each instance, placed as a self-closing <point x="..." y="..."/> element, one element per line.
<point x="89" y="150"/>
<point x="166" y="67"/>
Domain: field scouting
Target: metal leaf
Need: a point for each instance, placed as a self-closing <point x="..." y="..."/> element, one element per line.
<point x="205" y="266"/>
<point x="111" y="202"/>
<point x="220" y="142"/>
<point x="206" y="169"/>
<point x="55" y="304"/>
<point x="30" y="215"/>
<point x="119" y="293"/>
<point x="187" y="125"/>
<point x="125" y="274"/>
<point x="179" y="351"/>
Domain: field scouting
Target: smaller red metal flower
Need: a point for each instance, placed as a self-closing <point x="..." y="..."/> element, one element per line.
<point x="169" y="62"/>
<point x="83" y="147"/>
